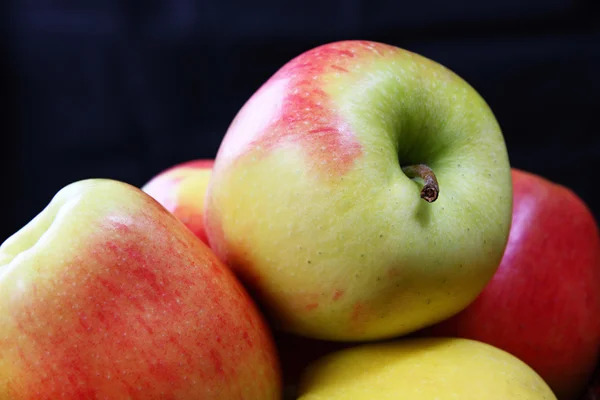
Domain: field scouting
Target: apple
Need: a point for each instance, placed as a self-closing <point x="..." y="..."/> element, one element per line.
<point x="363" y="192"/>
<point x="181" y="189"/>
<point x="106" y="295"/>
<point x="543" y="303"/>
<point x="424" y="369"/>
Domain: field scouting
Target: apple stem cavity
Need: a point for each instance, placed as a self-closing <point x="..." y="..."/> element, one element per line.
<point x="431" y="189"/>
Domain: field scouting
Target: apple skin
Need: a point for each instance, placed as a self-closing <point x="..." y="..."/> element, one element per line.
<point x="543" y="303"/>
<point x="424" y="369"/>
<point x="106" y="295"/>
<point x="181" y="190"/>
<point x="309" y="205"/>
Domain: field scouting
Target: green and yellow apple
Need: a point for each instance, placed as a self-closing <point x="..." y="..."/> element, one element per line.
<point x="424" y="369"/>
<point x="106" y="295"/>
<point x="181" y="190"/>
<point x="363" y="192"/>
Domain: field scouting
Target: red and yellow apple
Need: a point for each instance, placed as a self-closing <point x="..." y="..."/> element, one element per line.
<point x="181" y="190"/>
<point x="543" y="303"/>
<point x="323" y="193"/>
<point x="106" y="295"/>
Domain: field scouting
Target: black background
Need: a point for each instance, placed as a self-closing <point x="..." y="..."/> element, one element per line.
<point x="124" y="89"/>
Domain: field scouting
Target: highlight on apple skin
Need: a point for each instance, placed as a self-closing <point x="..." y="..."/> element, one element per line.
<point x="105" y="294"/>
<point x="543" y="303"/>
<point x="317" y="199"/>
<point x="181" y="189"/>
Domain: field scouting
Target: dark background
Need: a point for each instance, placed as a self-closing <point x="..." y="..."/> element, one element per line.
<point x="124" y="89"/>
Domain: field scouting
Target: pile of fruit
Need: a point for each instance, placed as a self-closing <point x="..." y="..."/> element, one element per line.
<point x="360" y="234"/>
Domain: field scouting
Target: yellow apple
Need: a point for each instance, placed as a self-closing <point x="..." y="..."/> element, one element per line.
<point x="423" y="369"/>
<point x="181" y="190"/>
<point x="106" y="295"/>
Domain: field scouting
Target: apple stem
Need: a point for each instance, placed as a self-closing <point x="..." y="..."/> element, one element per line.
<point x="431" y="189"/>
